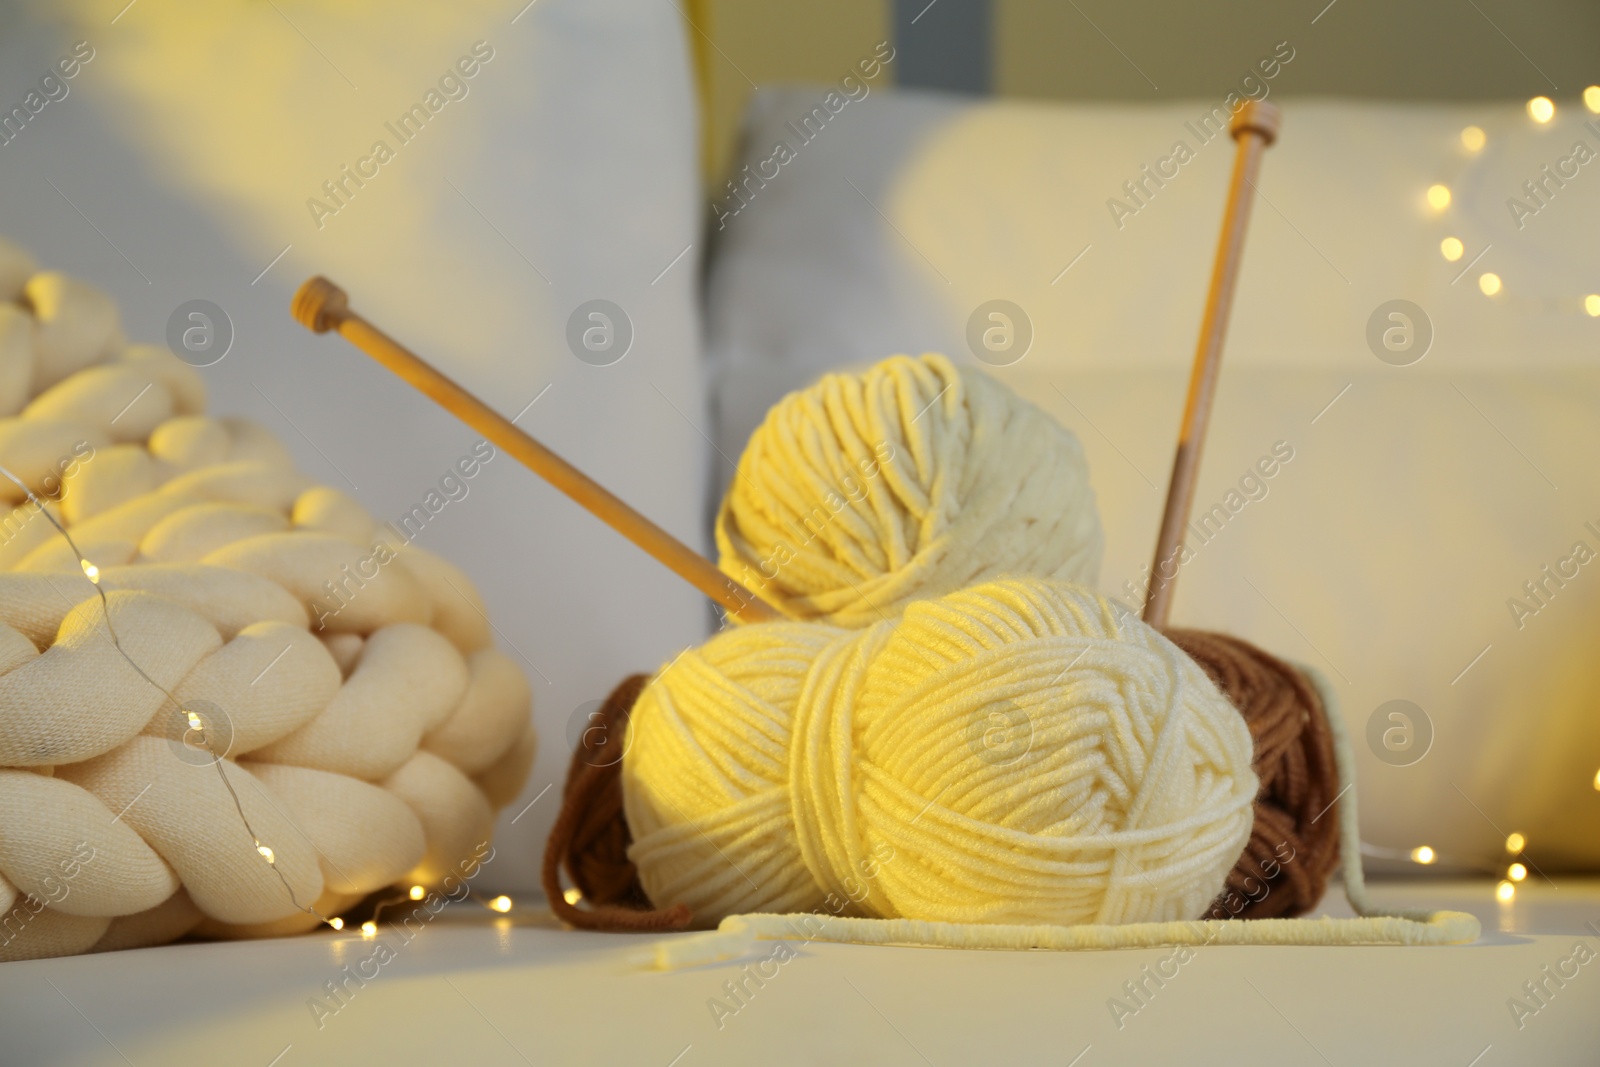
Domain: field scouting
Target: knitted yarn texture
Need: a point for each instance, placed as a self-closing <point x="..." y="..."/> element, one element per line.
<point x="781" y="767"/>
<point x="906" y="481"/>
<point x="368" y="751"/>
<point x="737" y="934"/>
<point x="913" y="478"/>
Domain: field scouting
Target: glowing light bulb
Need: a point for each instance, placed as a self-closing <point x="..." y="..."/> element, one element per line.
<point x="417" y="892"/>
<point x="501" y="904"/>
<point x="195" y="723"/>
<point x="1451" y="248"/>
<point x="266" y="853"/>
<point x="1473" y="138"/>
<point x="1516" y="872"/>
<point x="1542" y="109"/>
<point x="91" y="571"/>
<point x="1597" y="779"/>
<point x="573" y="896"/>
<point x="1515" y="843"/>
<point x="369" y="929"/>
<point x="336" y="922"/>
<point x="1591" y="304"/>
<point x="1591" y="98"/>
<point x="1489" y="283"/>
<point x="1504" y="892"/>
<point x="1438" y="197"/>
<point x="1422" y="854"/>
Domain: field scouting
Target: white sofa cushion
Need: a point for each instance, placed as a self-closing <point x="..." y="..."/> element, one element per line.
<point x="563" y="170"/>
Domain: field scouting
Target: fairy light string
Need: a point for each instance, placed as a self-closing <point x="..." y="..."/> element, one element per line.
<point x="196" y="723"/>
<point x="198" y="728"/>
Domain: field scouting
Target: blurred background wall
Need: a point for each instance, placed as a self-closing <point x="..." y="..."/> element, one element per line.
<point x="1144" y="49"/>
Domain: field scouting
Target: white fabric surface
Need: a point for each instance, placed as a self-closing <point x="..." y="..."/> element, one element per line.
<point x="190" y="144"/>
<point x="471" y="988"/>
<point x="1385" y="551"/>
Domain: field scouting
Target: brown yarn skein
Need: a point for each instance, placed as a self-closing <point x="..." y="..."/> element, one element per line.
<point x="591" y="835"/>
<point x="1294" y="842"/>
<point x="1284" y="870"/>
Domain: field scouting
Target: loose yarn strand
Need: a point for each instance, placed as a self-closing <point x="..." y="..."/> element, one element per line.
<point x="1355" y="881"/>
<point x="737" y="934"/>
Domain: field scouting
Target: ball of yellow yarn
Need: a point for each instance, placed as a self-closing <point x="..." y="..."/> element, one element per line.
<point x="909" y="480"/>
<point x="1017" y="752"/>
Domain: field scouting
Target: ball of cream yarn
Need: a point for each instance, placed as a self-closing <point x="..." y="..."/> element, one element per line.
<point x="911" y="479"/>
<point x="367" y="751"/>
<point x="1017" y="752"/>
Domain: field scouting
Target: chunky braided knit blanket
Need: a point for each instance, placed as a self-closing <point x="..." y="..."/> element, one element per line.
<point x="366" y="729"/>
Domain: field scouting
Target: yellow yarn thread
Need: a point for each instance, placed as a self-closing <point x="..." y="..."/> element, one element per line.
<point x="909" y="480"/>
<point x="789" y="767"/>
<point x="737" y="934"/>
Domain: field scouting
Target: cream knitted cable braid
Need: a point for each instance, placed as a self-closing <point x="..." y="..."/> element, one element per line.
<point x="195" y="721"/>
<point x="361" y="726"/>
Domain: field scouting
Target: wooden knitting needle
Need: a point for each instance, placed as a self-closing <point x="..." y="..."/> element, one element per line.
<point x="320" y="306"/>
<point x="1255" y="126"/>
